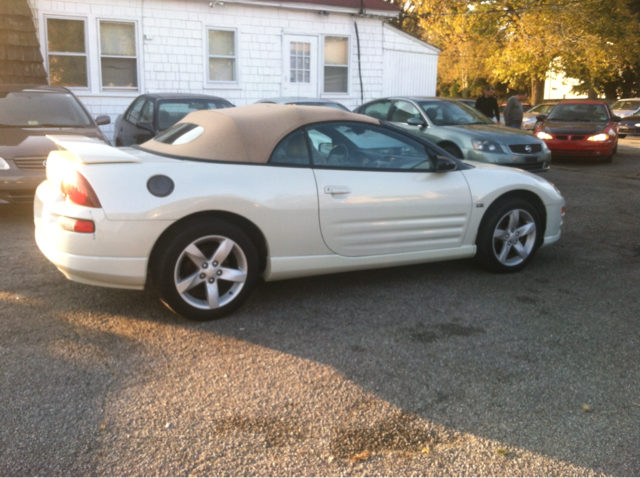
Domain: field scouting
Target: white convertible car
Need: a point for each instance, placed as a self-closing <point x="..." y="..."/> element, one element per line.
<point x="225" y="197"/>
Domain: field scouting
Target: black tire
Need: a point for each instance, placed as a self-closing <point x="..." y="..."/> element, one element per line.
<point x="615" y="148"/>
<point x="622" y="136"/>
<point x="453" y="150"/>
<point x="608" y="159"/>
<point x="511" y="251"/>
<point x="204" y="257"/>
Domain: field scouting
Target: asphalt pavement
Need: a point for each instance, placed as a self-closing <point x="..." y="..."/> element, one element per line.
<point x="436" y="369"/>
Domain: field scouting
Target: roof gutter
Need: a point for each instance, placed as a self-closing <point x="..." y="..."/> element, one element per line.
<point x="307" y="7"/>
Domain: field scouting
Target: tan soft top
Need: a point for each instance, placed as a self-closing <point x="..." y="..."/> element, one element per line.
<point x="248" y="133"/>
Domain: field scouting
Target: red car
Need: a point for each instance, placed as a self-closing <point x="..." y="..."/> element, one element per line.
<point x="580" y="128"/>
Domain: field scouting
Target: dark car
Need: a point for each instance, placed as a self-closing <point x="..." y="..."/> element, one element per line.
<point x="301" y="101"/>
<point x="152" y="113"/>
<point x="580" y="128"/>
<point x="27" y="114"/>
<point x="629" y="126"/>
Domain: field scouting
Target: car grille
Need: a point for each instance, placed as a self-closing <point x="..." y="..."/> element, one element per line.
<point x="569" y="137"/>
<point x="522" y="148"/>
<point x="31" y="163"/>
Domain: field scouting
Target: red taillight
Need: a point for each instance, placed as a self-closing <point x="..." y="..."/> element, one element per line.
<point x="76" y="225"/>
<point x="76" y="188"/>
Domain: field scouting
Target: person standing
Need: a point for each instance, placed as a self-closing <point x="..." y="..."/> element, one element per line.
<point x="487" y="104"/>
<point x="514" y="112"/>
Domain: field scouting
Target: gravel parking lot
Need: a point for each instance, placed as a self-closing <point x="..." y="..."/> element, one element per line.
<point x="437" y="369"/>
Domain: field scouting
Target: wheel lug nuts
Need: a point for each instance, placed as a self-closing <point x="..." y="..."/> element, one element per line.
<point x="211" y="280"/>
<point x="215" y="263"/>
<point x="205" y="265"/>
<point x="202" y="276"/>
<point x="219" y="273"/>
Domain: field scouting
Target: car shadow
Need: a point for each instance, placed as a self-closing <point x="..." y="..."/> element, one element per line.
<point x="522" y="359"/>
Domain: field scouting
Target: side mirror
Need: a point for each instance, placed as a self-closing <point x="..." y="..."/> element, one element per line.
<point x="541" y="118"/>
<point x="445" y="164"/>
<point x="415" y="122"/>
<point x="147" y="127"/>
<point x="325" y="148"/>
<point x="102" y="120"/>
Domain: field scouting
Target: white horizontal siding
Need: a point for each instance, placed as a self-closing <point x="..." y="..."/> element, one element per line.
<point x="409" y="74"/>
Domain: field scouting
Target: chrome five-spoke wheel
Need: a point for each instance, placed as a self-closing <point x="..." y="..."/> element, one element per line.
<point x="514" y="237"/>
<point x="205" y="269"/>
<point x="509" y="235"/>
<point x="210" y="272"/>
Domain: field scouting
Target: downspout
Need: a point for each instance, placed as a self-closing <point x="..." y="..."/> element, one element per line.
<point x="360" y="14"/>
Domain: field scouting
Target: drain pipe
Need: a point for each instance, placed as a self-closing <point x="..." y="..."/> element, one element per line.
<point x="359" y="59"/>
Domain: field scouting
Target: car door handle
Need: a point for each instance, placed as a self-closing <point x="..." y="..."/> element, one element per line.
<point x="336" y="190"/>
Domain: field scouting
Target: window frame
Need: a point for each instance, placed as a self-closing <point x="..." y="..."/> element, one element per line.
<point x="335" y="94"/>
<point x="84" y="20"/>
<point x="137" y="43"/>
<point x="208" y="83"/>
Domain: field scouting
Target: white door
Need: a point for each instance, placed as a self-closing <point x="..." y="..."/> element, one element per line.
<point x="374" y="197"/>
<point x="300" y="75"/>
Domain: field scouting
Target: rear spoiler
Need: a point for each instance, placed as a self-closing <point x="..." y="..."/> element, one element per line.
<point x="90" y="150"/>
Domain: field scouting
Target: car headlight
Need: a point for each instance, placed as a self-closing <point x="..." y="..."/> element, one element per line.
<point x="598" y="137"/>
<point x="543" y="135"/>
<point x="3" y="165"/>
<point x="637" y="125"/>
<point x="485" y="145"/>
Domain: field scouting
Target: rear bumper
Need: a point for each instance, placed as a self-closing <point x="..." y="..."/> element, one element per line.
<point x="116" y="255"/>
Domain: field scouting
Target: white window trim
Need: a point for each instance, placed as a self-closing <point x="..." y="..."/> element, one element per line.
<point x="336" y="95"/>
<point x="139" y="55"/>
<point x="45" y="47"/>
<point x="208" y="84"/>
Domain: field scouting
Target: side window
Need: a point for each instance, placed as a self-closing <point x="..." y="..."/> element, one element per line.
<point x="378" y="110"/>
<point x="363" y="146"/>
<point x="435" y="114"/>
<point x="147" y="112"/>
<point x="403" y="110"/>
<point x="133" y="116"/>
<point x="291" y="150"/>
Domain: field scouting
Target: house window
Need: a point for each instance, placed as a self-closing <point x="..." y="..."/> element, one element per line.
<point x="118" y="59"/>
<point x="66" y="52"/>
<point x="336" y="65"/>
<point x="222" y="55"/>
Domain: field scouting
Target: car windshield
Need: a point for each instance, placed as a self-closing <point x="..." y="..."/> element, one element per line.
<point x="625" y="105"/>
<point x="170" y="112"/>
<point x="41" y="109"/>
<point x="448" y="113"/>
<point x="541" y="109"/>
<point x="582" y="112"/>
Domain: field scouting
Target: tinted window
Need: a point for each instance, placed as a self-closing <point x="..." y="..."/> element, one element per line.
<point x="292" y="150"/>
<point x="356" y="145"/>
<point x="378" y="110"/>
<point x="170" y="112"/>
<point x="41" y="109"/>
<point x="182" y="133"/>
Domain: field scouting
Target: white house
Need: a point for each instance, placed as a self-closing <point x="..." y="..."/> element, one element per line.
<point x="110" y="51"/>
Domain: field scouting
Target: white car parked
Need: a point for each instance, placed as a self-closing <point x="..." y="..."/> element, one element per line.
<point x="227" y="196"/>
